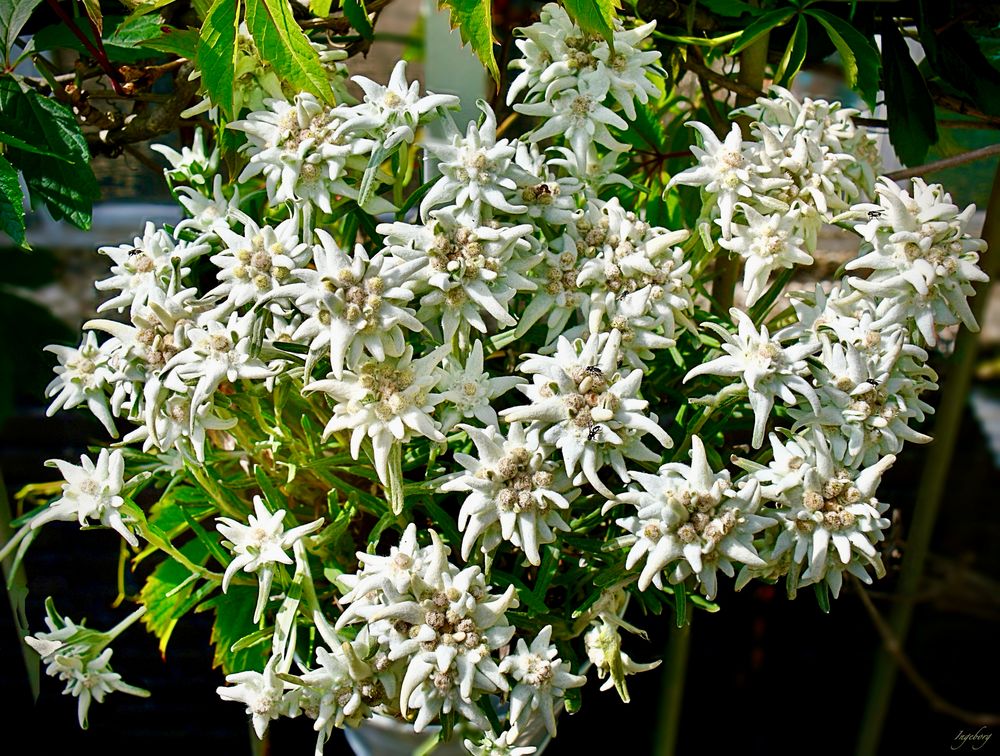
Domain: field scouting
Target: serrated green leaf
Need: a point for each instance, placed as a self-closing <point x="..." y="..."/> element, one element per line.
<point x="594" y="16"/>
<point x="11" y="203"/>
<point x="216" y="57"/>
<point x="47" y="125"/>
<point x="474" y="21"/>
<point x="14" y="14"/>
<point x="233" y="622"/>
<point x="68" y="190"/>
<point x="123" y="49"/>
<point x="857" y="53"/>
<point x="132" y="32"/>
<point x="909" y="107"/>
<point x="761" y="26"/>
<point x="794" y="55"/>
<point x="180" y="42"/>
<point x="356" y="12"/>
<point x="166" y="590"/>
<point x="283" y="44"/>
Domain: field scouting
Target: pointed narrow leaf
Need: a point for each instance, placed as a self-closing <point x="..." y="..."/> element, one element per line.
<point x="93" y="10"/>
<point x="356" y="12"/>
<point x="762" y="25"/>
<point x="795" y="54"/>
<point x="14" y="14"/>
<point x="910" y="109"/>
<point x="474" y="21"/>
<point x="857" y="52"/>
<point x="217" y="54"/>
<point x="283" y="44"/>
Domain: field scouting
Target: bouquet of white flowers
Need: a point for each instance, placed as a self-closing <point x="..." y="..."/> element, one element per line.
<point x="417" y="445"/>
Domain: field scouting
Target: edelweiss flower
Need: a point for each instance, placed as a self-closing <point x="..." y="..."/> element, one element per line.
<point x="579" y="116"/>
<point x="386" y="401"/>
<point x="300" y="149"/>
<point x="468" y="390"/>
<point x="82" y="375"/>
<point x="261" y="692"/>
<point x="550" y="199"/>
<point x="80" y="657"/>
<point x="515" y="492"/>
<point x="257" y="547"/>
<point x="192" y="164"/>
<point x="257" y="262"/>
<point x="767" y="243"/>
<point x="90" y="490"/>
<point x="476" y="170"/>
<point x="469" y="270"/>
<point x="207" y="215"/>
<point x="343" y="688"/>
<point x="768" y="369"/>
<point x="352" y="305"/>
<point x="540" y="682"/>
<point x="587" y="410"/>
<point x="923" y="258"/>
<point x="725" y="169"/>
<point x="391" y="113"/>
<point x="445" y="625"/>
<point x="818" y="503"/>
<point x="690" y="516"/>
<point x="147" y="265"/>
<point x="216" y="353"/>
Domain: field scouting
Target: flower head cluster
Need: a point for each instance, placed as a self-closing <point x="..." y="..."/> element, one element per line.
<point x="80" y="657"/>
<point x="691" y="519"/>
<point x="589" y="411"/>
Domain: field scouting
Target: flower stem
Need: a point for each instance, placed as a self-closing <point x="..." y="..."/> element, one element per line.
<point x="937" y="464"/>
<point x="672" y="692"/>
<point x="394" y="490"/>
<point x="125" y="623"/>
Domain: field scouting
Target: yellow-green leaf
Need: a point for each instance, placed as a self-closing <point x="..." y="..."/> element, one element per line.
<point x="283" y="44"/>
<point x="474" y="21"/>
<point x="594" y="16"/>
<point x="217" y="48"/>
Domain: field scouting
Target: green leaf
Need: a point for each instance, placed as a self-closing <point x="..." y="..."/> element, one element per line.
<point x="14" y="14"/>
<point x="216" y="58"/>
<point x="795" y="54"/>
<point x="822" y="596"/>
<point x="282" y="43"/>
<point x="166" y="590"/>
<point x="761" y="26"/>
<point x="474" y="21"/>
<point x="909" y="107"/>
<point x="594" y="16"/>
<point x="356" y="12"/>
<point x="857" y="52"/>
<point x="68" y="190"/>
<point x="93" y="10"/>
<point x="122" y="49"/>
<point x="320" y="7"/>
<point x="233" y="622"/>
<point x="47" y="125"/>
<point x="11" y="203"/>
<point x="181" y="42"/>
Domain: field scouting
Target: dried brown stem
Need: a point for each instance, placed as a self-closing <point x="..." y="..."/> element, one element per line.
<point x="895" y="649"/>
<point x="948" y="162"/>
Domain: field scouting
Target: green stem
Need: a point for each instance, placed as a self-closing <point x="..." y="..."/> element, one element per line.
<point x="394" y="490"/>
<point x="125" y="624"/>
<point x="672" y="693"/>
<point x="954" y="391"/>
